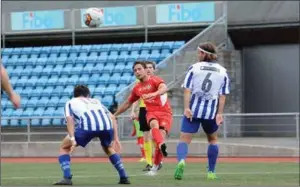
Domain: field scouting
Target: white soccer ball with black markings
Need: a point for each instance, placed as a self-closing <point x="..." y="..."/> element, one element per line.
<point x="93" y="17"/>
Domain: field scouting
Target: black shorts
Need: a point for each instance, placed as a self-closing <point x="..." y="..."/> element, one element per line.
<point x="143" y="120"/>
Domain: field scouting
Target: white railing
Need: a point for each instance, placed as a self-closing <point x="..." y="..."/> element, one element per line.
<point x="254" y="125"/>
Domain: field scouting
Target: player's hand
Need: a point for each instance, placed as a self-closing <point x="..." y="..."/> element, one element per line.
<point x="148" y="96"/>
<point x="188" y="113"/>
<point x="219" y="119"/>
<point x="117" y="146"/>
<point x="15" y="99"/>
<point x="74" y="144"/>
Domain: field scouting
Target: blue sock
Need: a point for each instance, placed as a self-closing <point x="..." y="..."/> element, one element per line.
<point x="64" y="161"/>
<point x="116" y="161"/>
<point x="182" y="151"/>
<point x="212" y="155"/>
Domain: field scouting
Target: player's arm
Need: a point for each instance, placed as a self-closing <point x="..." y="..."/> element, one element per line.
<point x="127" y="104"/>
<point x="187" y="85"/>
<point x="70" y="121"/>
<point x="115" y="127"/>
<point x="162" y="88"/>
<point x="225" y="90"/>
<point x="134" y="108"/>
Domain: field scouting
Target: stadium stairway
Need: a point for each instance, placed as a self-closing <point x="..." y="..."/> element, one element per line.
<point x="45" y="76"/>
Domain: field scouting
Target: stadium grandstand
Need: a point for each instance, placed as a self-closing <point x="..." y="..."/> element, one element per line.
<point x="47" y="50"/>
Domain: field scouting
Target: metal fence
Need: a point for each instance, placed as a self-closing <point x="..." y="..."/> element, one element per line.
<point x="254" y="126"/>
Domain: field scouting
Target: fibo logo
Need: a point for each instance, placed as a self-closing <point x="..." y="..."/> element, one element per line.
<point x="185" y="12"/>
<point x="180" y="13"/>
<point x="37" y="20"/>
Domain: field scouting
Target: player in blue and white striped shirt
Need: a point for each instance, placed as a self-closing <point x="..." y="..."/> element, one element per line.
<point x="205" y="87"/>
<point x="86" y="119"/>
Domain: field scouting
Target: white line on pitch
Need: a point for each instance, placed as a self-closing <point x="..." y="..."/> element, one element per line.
<point x="159" y="174"/>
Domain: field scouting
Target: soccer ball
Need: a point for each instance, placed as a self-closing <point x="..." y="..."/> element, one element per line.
<point x="93" y="17"/>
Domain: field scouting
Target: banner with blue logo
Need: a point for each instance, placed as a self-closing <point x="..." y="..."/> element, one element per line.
<point x="117" y="16"/>
<point x="185" y="12"/>
<point x="37" y="20"/>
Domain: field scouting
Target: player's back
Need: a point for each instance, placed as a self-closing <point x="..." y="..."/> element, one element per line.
<point x="89" y="114"/>
<point x="207" y="80"/>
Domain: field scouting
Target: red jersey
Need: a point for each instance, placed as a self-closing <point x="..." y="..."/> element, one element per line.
<point x="159" y="103"/>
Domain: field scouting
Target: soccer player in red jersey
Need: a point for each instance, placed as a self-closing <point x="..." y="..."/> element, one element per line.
<point x="152" y="90"/>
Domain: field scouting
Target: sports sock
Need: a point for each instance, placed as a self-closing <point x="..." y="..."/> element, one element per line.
<point x="182" y="151"/>
<point x="64" y="161"/>
<point x="116" y="161"/>
<point x="148" y="152"/>
<point x="157" y="156"/>
<point x="157" y="136"/>
<point x="212" y="155"/>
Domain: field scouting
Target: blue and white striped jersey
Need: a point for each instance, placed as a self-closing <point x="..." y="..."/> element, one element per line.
<point x="89" y="114"/>
<point x="207" y="81"/>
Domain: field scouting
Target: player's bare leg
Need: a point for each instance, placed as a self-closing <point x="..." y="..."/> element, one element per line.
<point x="117" y="163"/>
<point x="212" y="155"/>
<point x="182" y="151"/>
<point x="65" y="161"/>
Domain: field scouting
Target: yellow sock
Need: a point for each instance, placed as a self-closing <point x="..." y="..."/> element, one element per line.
<point x="148" y="151"/>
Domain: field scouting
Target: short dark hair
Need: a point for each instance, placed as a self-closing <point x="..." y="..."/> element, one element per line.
<point x="81" y="90"/>
<point x="142" y="63"/>
<point x="152" y="63"/>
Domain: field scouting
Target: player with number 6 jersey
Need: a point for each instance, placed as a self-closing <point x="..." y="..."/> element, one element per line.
<point x="205" y="86"/>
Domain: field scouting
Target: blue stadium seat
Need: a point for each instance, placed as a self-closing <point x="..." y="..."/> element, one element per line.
<point x="165" y="51"/>
<point x="65" y="49"/>
<point x="126" y="47"/>
<point x="128" y="68"/>
<point x="28" y="112"/>
<point x="16" y="113"/>
<point x="98" y="68"/>
<point x="62" y="81"/>
<point x="81" y="60"/>
<point x="58" y="122"/>
<point x="133" y="57"/>
<point x="93" y="80"/>
<point x="154" y="57"/>
<point x="11" y="61"/>
<point x="51" y="60"/>
<point x="58" y="89"/>
<point x="62" y="102"/>
<point x="99" y="90"/>
<point x="18" y="89"/>
<point x="125" y="79"/>
<point x="47" y="91"/>
<point x="121" y="87"/>
<point x="146" y="46"/>
<point x="107" y="100"/>
<point x="42" y="80"/>
<point x="91" y="60"/>
<point x="83" y="54"/>
<point x="37" y="91"/>
<point x="163" y="56"/>
<point x="55" y="49"/>
<point x="3" y="103"/>
<point x="87" y="69"/>
<point x="136" y="46"/>
<point x="105" y="47"/>
<point x="102" y="59"/>
<point x="73" y="80"/>
<point x="135" y="53"/>
<point x="108" y="68"/>
<point x="83" y="79"/>
<point x="22" y="61"/>
<point x="116" y="47"/>
<point x="157" y="45"/>
<point x="32" y="60"/>
<point x="63" y="54"/>
<point x="94" y="54"/>
<point x="85" y="48"/>
<point x="32" y="81"/>
<point x="13" y="80"/>
<point x="7" y="112"/>
<point x="178" y="44"/>
<point x="103" y="78"/>
<point x="67" y="70"/>
<point x="43" y="55"/>
<point x="168" y="45"/>
<point x="115" y="53"/>
<point x="122" y="58"/>
<point x="49" y="112"/>
<point x="71" y="59"/>
<point x="61" y="60"/>
<point x="16" y="51"/>
<point x="111" y="89"/>
<point x="52" y="81"/>
<point x="77" y="69"/>
<point x="36" y="50"/>
<point x="124" y="53"/>
<point x="92" y="88"/>
<point x="9" y="69"/>
<point x="43" y="101"/>
<point x="4" y="59"/>
<point x="75" y="49"/>
<point x="26" y="92"/>
<point x="119" y="68"/>
<point x="4" y="122"/>
<point x="17" y="71"/>
<point x="53" y="101"/>
<point x="114" y="79"/>
<point x="46" y="49"/>
<point x="67" y="91"/>
<point x="22" y="81"/>
<point x="145" y="51"/>
<point x="41" y="61"/>
<point x="32" y="102"/>
<point x="7" y="51"/>
<point x="37" y="71"/>
<point x="48" y="70"/>
<point x="95" y="48"/>
<point x="29" y="71"/>
<point x="57" y="69"/>
<point x="104" y="53"/>
<point x="112" y="58"/>
<point x="38" y="112"/>
<point x="143" y="57"/>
